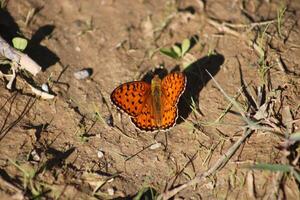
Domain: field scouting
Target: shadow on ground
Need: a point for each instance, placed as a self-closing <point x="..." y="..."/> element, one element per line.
<point x="197" y="78"/>
<point x="39" y="53"/>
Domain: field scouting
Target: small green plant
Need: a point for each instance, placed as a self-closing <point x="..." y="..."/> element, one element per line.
<point x="19" y="43"/>
<point x="3" y="4"/>
<point x="262" y="63"/>
<point x="29" y="175"/>
<point x="82" y="133"/>
<point x="97" y="114"/>
<point x="280" y="15"/>
<point x="177" y="51"/>
<point x="180" y="52"/>
<point x="146" y="193"/>
<point x="211" y="52"/>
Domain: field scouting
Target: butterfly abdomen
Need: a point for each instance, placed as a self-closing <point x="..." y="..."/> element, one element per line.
<point x="156" y="100"/>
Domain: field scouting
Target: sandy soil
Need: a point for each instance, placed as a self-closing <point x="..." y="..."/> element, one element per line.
<point x="79" y="146"/>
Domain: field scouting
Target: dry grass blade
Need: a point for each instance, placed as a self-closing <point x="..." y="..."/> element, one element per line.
<point x="217" y="166"/>
<point x="227" y="29"/>
<point x="228" y="107"/>
<point x="42" y="94"/>
<point x="235" y="103"/>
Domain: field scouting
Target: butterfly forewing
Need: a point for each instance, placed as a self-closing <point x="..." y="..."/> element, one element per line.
<point x="131" y="97"/>
<point x="173" y="85"/>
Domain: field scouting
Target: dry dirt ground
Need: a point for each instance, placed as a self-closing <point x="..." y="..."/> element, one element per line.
<point x="79" y="146"/>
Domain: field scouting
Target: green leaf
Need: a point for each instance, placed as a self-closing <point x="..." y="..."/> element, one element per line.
<point x="146" y="193"/>
<point x="185" y="46"/>
<point x="271" y="167"/>
<point x="19" y="43"/>
<point x="168" y="52"/>
<point x="177" y="50"/>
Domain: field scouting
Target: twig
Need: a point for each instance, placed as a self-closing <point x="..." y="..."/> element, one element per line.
<point x="251" y="185"/>
<point x="42" y="94"/>
<point x="135" y="154"/>
<point x="12" y="78"/>
<point x="217" y="166"/>
<point x="274" y="193"/>
<point x="24" y="61"/>
<point x="251" y="25"/>
<point x="236" y="104"/>
<point x="230" y="104"/>
<point x="280" y="64"/>
<point x="224" y="28"/>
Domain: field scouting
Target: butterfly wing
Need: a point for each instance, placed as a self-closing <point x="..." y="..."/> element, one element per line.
<point x="145" y="120"/>
<point x="169" y="118"/>
<point x="173" y="85"/>
<point x="131" y="97"/>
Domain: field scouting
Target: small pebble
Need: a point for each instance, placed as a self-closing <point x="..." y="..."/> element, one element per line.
<point x="110" y="120"/>
<point x="45" y="87"/>
<point x="77" y="49"/>
<point x="35" y="156"/>
<point x="83" y="74"/>
<point x="209" y="185"/>
<point x="100" y="154"/>
<point x="155" y="146"/>
<point x="111" y="191"/>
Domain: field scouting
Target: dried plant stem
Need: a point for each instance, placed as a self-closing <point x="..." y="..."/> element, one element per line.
<point x="217" y="166"/>
<point x="23" y="61"/>
<point x="225" y="28"/>
<point x="251" y="25"/>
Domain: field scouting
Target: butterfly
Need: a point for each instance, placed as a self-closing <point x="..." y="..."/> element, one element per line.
<point x="152" y="107"/>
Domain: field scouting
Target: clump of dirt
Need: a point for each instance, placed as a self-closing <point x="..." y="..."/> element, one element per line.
<point x="79" y="146"/>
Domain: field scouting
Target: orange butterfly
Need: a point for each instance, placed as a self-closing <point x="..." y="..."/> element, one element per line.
<point x="152" y="106"/>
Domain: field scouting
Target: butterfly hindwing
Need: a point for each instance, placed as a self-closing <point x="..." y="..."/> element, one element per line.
<point x="145" y="120"/>
<point x="169" y="117"/>
<point x="131" y="97"/>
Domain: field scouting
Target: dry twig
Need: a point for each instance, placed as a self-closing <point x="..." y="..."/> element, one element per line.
<point x="225" y="27"/>
<point x="217" y="166"/>
<point x="23" y="61"/>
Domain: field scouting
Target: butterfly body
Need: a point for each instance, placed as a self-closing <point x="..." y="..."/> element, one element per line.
<point x="156" y="95"/>
<point x="152" y="106"/>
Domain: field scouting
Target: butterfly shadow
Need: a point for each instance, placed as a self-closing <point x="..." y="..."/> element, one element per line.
<point x="197" y="78"/>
